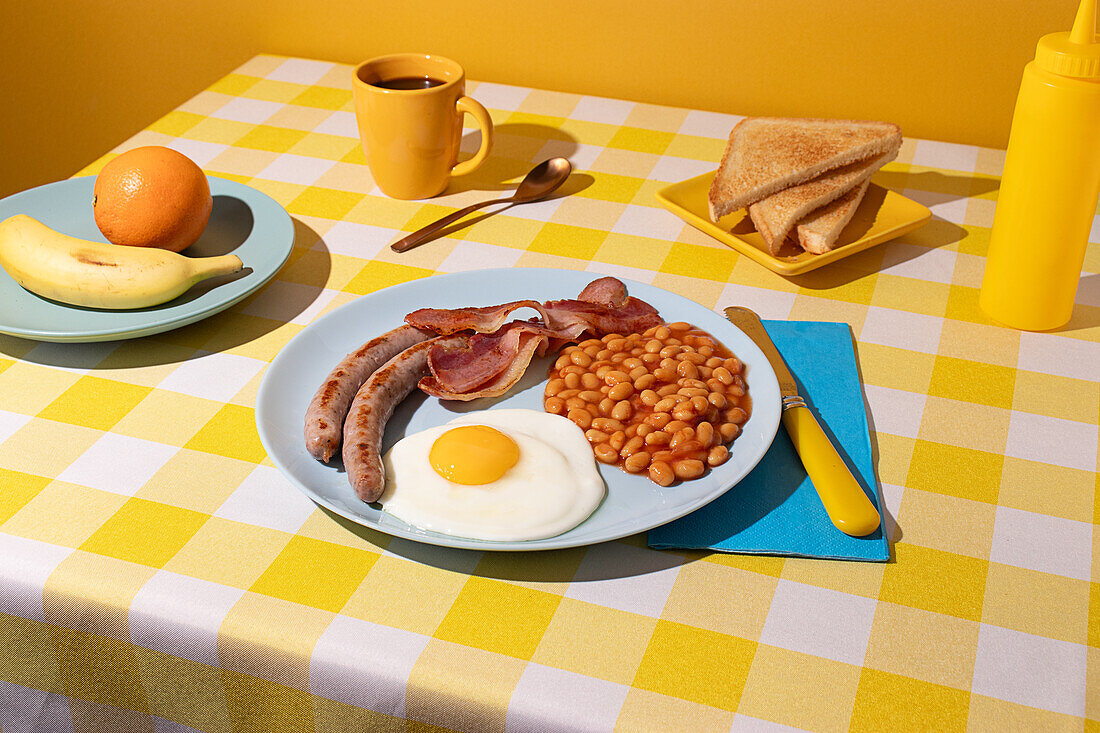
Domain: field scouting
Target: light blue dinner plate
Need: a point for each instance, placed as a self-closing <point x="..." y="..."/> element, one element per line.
<point x="244" y="221"/>
<point x="633" y="503"/>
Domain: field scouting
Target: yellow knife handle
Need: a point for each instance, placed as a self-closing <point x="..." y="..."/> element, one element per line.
<point x="845" y="502"/>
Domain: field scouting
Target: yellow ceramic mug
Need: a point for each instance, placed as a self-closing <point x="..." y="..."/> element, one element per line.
<point x="409" y="108"/>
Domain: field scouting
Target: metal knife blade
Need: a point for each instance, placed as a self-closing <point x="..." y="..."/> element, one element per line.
<point x="843" y="497"/>
<point x="749" y="322"/>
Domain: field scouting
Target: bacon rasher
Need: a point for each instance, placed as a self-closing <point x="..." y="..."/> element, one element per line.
<point x="495" y="356"/>
<point x="484" y="355"/>
<point x="579" y="317"/>
<point x="470" y="367"/>
<point x="486" y="319"/>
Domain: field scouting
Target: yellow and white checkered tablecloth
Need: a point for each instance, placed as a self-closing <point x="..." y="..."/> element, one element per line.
<point x="157" y="573"/>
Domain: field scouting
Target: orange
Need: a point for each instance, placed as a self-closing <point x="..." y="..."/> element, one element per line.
<point x="152" y="197"/>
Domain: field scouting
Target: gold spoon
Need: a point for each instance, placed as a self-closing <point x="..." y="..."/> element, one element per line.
<point x="539" y="183"/>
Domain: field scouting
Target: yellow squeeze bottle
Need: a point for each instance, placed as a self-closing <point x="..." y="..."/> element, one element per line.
<point x="1050" y="184"/>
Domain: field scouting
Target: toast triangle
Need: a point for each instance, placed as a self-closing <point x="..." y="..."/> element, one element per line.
<point x="767" y="154"/>
<point x="775" y="216"/>
<point x="818" y="232"/>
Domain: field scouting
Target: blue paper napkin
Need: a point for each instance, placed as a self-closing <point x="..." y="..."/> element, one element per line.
<point x="775" y="509"/>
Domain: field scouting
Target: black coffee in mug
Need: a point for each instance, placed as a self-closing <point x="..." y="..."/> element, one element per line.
<point x="408" y="82"/>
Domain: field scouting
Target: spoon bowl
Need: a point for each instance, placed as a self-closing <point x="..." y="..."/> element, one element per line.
<point x="542" y="180"/>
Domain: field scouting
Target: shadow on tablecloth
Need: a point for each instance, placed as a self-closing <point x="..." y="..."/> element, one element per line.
<point x="517" y="147"/>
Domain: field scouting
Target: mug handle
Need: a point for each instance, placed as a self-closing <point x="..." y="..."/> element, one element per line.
<point x="473" y="108"/>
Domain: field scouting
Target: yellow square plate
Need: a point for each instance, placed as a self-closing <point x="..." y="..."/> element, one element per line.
<point x="881" y="216"/>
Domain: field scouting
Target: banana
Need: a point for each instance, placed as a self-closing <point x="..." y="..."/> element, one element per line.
<point x="97" y="275"/>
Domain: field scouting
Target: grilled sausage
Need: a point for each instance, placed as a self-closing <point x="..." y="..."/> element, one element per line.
<point x="326" y="412"/>
<point x="371" y="410"/>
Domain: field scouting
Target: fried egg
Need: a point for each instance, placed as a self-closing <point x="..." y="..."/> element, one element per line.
<point x="503" y="475"/>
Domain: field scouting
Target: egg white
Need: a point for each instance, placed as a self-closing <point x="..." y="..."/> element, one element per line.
<point x="553" y="487"/>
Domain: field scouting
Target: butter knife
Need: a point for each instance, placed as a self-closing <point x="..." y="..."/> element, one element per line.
<point x="843" y="498"/>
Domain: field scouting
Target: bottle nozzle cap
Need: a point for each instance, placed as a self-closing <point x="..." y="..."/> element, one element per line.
<point x="1084" y="25"/>
<point x="1076" y="53"/>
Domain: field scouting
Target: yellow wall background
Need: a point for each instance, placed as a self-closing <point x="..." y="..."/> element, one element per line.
<point x="80" y="77"/>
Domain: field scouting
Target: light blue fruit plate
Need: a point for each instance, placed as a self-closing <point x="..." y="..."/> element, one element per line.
<point x="244" y="222"/>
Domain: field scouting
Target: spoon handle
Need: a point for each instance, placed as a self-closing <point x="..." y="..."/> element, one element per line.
<point x="414" y="239"/>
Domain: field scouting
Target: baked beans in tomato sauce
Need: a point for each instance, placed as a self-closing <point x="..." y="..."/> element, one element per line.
<point x="666" y="402"/>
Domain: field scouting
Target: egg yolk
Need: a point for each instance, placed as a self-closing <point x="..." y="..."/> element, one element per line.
<point x="473" y="454"/>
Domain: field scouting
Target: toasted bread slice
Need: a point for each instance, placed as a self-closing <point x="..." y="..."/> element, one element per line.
<point x="818" y="232"/>
<point x="767" y="154"/>
<point x="776" y="215"/>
